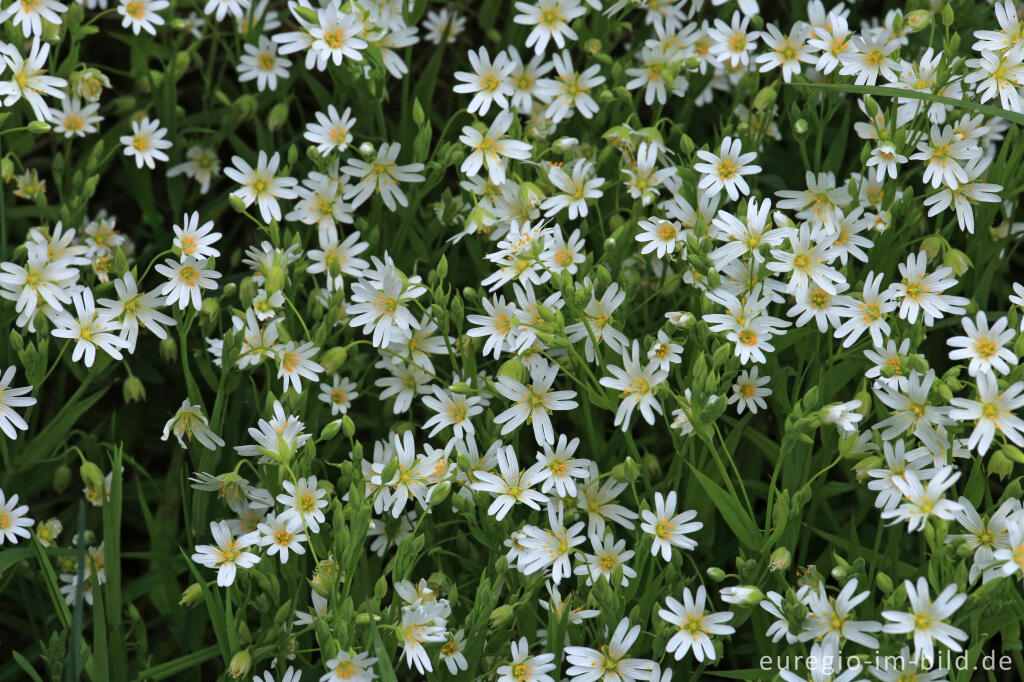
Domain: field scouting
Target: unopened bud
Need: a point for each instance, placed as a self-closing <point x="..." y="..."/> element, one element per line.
<point x="134" y="391"/>
<point x="169" y="349"/>
<point x="502" y="615"/>
<point x="62" y="478"/>
<point x="192" y="594"/>
<point x="884" y="582"/>
<point x="440" y="493"/>
<point x="39" y="127"/>
<point x="715" y="574"/>
<point x="241" y="664"/>
<point x="277" y="116"/>
<point x="237" y="203"/>
<point x="333" y="359"/>
<point x="780" y="559"/>
<point x="330" y="430"/>
<point x="743" y="595"/>
<point x="92" y="476"/>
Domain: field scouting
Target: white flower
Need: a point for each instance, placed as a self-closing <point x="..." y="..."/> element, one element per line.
<point x="73" y="119"/>
<point x="543" y="549"/>
<point x="574" y="190"/>
<point x="187" y="278"/>
<point x="608" y="555"/>
<point x="831" y="621"/>
<point x="190" y="422"/>
<point x="30" y="15"/>
<point x="14" y="520"/>
<point x="28" y="77"/>
<point x="636" y="385"/>
<point x="1010" y="559"/>
<point x="10" y="421"/>
<point x="730" y="42"/>
<point x="489" y="81"/>
<point x="346" y="668"/>
<point x="533" y="403"/>
<point x="221" y="8"/>
<point x="280" y="536"/>
<point x="992" y="413"/>
<point x="558" y="468"/>
<point x="262" y="64"/>
<point x="749" y="392"/>
<point x="146" y="143"/>
<point x="303" y="502"/>
<point x="942" y="153"/>
<point x="380" y="307"/>
<point x="512" y="486"/>
<point x="984" y="347"/>
<point x="382" y="175"/>
<point x="339" y="394"/>
<point x="726" y="169"/>
<point x="491" y="146"/>
<point x="589" y="665"/>
<point x="336" y="36"/>
<point x="927" y="619"/>
<point x="843" y="415"/>
<point x="924" y="500"/>
<point x="331" y="132"/>
<point x="195" y="240"/>
<point x="868" y="58"/>
<point x="452" y="410"/>
<point x="141" y="15"/>
<point x="668" y="528"/>
<point x="89" y="329"/>
<point x="570" y="89"/>
<point x="260" y="186"/>
<point x="228" y="555"/>
<point x="523" y="667"/>
<point x="923" y="292"/>
<point x="695" y="625"/>
<point x="664" y="352"/>
<point x="550" y="20"/>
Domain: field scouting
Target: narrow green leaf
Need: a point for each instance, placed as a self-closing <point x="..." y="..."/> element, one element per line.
<point x="729" y="507"/>
<point x="884" y="91"/>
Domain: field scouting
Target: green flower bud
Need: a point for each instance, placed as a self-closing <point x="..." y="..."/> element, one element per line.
<point x="440" y="493"/>
<point x="800" y="127"/>
<point x="918" y="19"/>
<point x="241" y="664"/>
<point x="947" y="15"/>
<point x="958" y="261"/>
<point x="627" y="471"/>
<point x="92" y="476"/>
<point x="192" y="594"/>
<point x="133" y="391"/>
<point x="210" y="308"/>
<point x="502" y="615"/>
<point x="39" y="127"/>
<point x="348" y="426"/>
<point x="764" y="99"/>
<point x="651" y="465"/>
<point x="333" y="359"/>
<point x="715" y="574"/>
<point x="884" y="583"/>
<point x="17" y="343"/>
<point x="932" y="245"/>
<point x="236" y="203"/>
<point x="742" y="595"/>
<point x="62" y="478"/>
<point x="169" y="349"/>
<point x="1012" y="453"/>
<point x="245" y="106"/>
<point x="999" y="465"/>
<point x="514" y="369"/>
<point x="277" y="116"/>
<point x="780" y="559"/>
<point x="330" y="430"/>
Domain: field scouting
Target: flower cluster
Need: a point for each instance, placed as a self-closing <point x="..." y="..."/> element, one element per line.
<point x="593" y="341"/>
